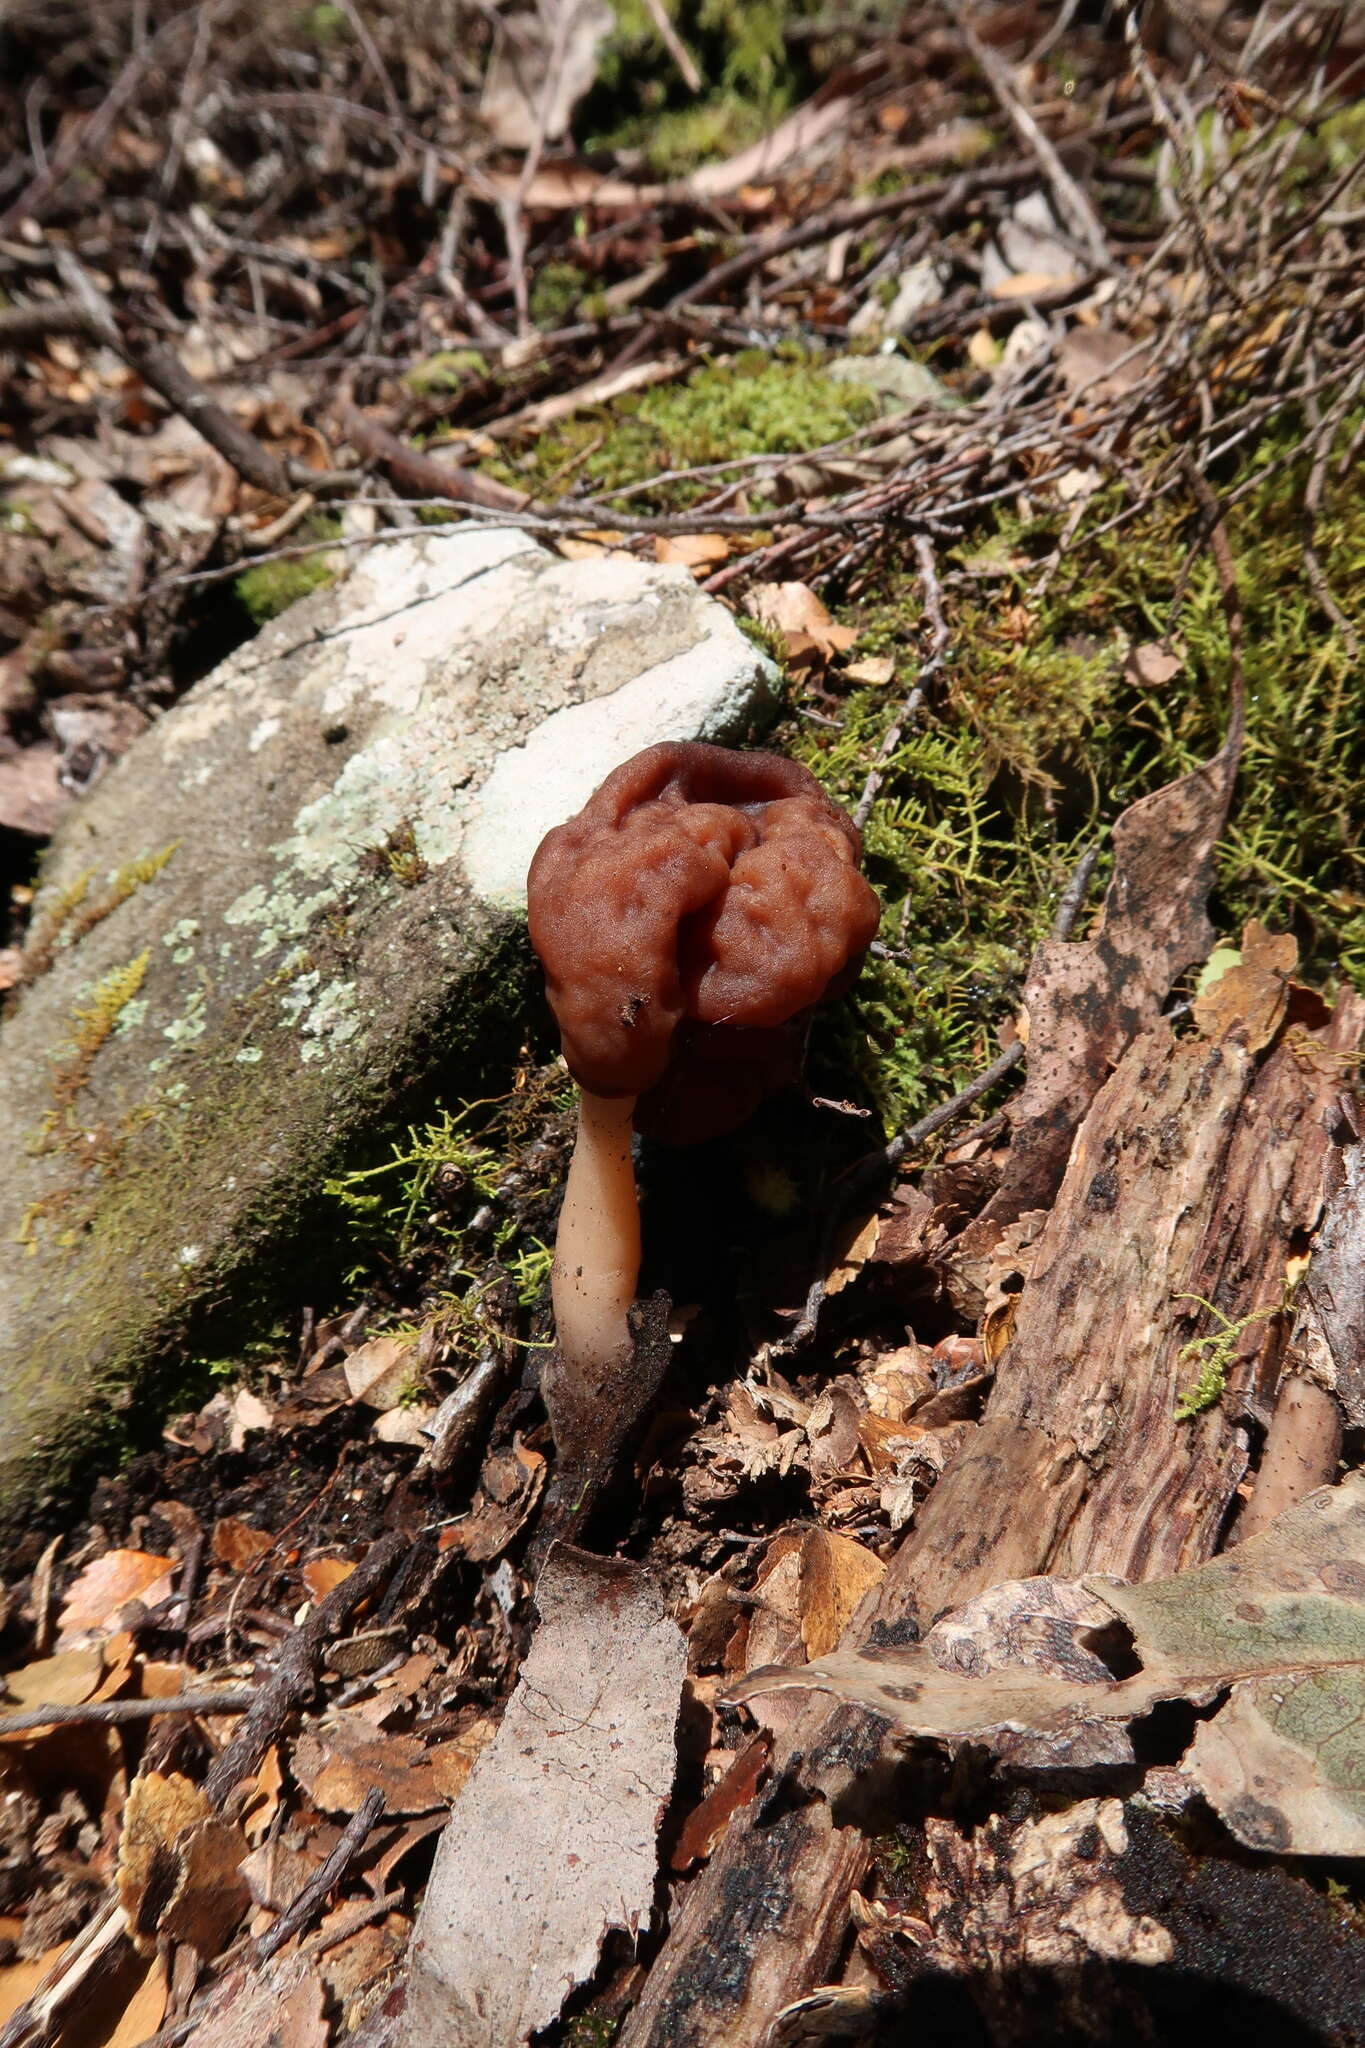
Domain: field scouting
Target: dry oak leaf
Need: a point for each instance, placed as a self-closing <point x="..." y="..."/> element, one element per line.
<point x="809" y="636"/>
<point x="1252" y="996"/>
<point x="99" y="1594"/>
<point x="178" y="1866"/>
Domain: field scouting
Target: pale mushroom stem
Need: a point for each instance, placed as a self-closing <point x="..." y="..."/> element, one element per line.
<point x="597" y="1251"/>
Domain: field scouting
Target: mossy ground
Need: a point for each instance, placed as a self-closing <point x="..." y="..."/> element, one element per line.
<point x="752" y="404"/>
<point x="1041" y="734"/>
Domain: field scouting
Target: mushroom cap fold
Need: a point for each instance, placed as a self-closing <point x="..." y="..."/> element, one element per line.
<point x="700" y="903"/>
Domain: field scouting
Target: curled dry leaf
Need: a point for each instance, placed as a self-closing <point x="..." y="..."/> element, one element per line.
<point x="707" y="1821"/>
<point x="810" y="637"/>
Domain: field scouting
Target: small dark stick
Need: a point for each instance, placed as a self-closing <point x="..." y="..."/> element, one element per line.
<point x="300" y="1911"/>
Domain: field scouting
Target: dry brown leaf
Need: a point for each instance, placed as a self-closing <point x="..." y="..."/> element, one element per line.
<point x="19" y="1981"/>
<point x="237" y="1544"/>
<point x="322" y="1575"/>
<point x="142" y="2015"/>
<point x="709" y="1819"/>
<point x="699" y="552"/>
<point x="178" y="1866"/>
<point x="66" y="1680"/>
<point x="1089" y="360"/>
<point x="835" y="1574"/>
<point x="1151" y="665"/>
<point x="809" y="636"/>
<point x="263" y="1802"/>
<point x="1252" y="997"/>
<point x="379" y="1371"/>
<point x="343" y="1759"/>
<point x="1027" y="284"/>
<point x="883" y="1442"/>
<point x="876" y="669"/>
<point x="861" y="1241"/>
<point x="98" y="1596"/>
<point x="554" y="1840"/>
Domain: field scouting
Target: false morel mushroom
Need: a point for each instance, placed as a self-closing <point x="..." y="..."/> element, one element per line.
<point x="688" y="920"/>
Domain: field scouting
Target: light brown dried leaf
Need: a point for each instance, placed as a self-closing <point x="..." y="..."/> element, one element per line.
<point x="237" y="1544"/>
<point x="1252" y="997"/>
<point x="836" y="1572"/>
<point x="98" y="1596"/>
<point x="177" y="1866"/>
<point x="809" y="634"/>
<point x="699" y="552"/>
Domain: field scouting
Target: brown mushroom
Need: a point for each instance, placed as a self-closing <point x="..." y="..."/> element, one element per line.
<point x="688" y="919"/>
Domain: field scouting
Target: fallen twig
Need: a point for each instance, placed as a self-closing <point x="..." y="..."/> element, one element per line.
<point x="300" y="1910"/>
<point x="421" y="474"/>
<point x="223" y="1699"/>
<point x="1075" y="209"/>
<point x="291" y="1682"/>
<point x="165" y="374"/>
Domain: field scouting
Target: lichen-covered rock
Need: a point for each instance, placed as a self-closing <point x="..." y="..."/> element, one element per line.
<point x="299" y="891"/>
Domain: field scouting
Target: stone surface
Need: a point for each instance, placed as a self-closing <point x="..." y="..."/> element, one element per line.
<point x="295" y="896"/>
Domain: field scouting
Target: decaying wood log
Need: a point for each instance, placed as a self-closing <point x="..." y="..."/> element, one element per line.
<point x="1197" y="1169"/>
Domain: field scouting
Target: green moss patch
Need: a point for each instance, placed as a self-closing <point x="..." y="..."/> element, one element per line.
<point x="1044" y="729"/>
<point x="753" y="404"/>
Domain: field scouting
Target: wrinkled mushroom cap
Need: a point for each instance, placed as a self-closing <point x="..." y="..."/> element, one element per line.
<point x="697" y="907"/>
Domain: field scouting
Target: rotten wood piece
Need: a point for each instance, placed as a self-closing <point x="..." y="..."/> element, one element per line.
<point x="1197" y="1168"/>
